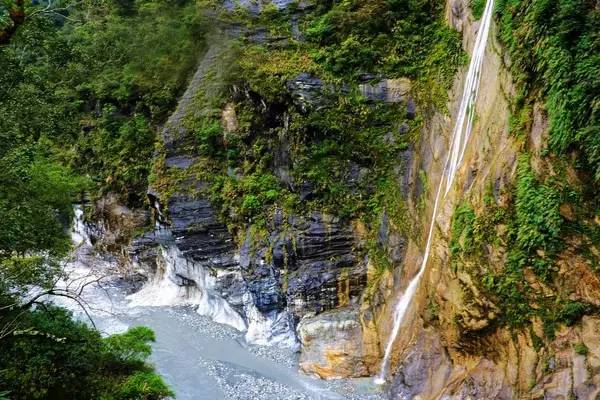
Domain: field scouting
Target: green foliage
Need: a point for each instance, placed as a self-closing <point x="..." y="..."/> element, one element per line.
<point x="130" y="348"/>
<point x="470" y="234"/>
<point x="265" y="70"/>
<point x="208" y="135"/>
<point x="478" y="6"/>
<point x="555" y="50"/>
<point x="510" y="291"/>
<point x="581" y="349"/>
<point x="56" y="357"/>
<point x="396" y="38"/>
<point x="537" y="224"/>
<point x="572" y="311"/>
<point x="120" y="149"/>
<point x="462" y="230"/>
<point x="346" y="132"/>
<point x="79" y="98"/>
<point x="144" y="386"/>
<point x="251" y="205"/>
<point x="564" y="312"/>
<point x="238" y="167"/>
<point x="538" y="220"/>
<point x="248" y="196"/>
<point x="43" y="191"/>
<point x="337" y="154"/>
<point x="532" y="237"/>
<point x="351" y="129"/>
<point x="92" y="105"/>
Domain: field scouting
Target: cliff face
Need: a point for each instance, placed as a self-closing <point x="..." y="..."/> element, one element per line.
<point x="452" y="345"/>
<point x="295" y="267"/>
<point x="314" y="278"/>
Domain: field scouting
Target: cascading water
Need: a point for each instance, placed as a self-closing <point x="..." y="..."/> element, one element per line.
<point x="459" y="139"/>
<point x="199" y="359"/>
<point x="79" y="235"/>
<point x="270" y="329"/>
<point x="179" y="281"/>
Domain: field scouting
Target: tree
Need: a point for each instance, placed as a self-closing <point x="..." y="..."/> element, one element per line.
<point x="16" y="17"/>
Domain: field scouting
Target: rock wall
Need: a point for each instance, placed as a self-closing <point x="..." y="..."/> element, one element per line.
<point x="308" y="278"/>
<point x="302" y="266"/>
<point x="434" y="356"/>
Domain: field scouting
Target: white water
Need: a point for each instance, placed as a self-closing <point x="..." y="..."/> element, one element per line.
<point x="199" y="359"/>
<point x="164" y="290"/>
<point x="275" y="329"/>
<point x="78" y="235"/>
<point x="459" y="140"/>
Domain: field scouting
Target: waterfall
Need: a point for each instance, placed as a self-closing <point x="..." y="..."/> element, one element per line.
<point x="459" y="139"/>
<point x="79" y="235"/>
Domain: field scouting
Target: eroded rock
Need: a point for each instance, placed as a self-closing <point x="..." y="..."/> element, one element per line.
<point x="332" y="345"/>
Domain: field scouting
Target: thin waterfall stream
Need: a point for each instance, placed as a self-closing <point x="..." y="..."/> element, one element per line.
<point x="458" y="143"/>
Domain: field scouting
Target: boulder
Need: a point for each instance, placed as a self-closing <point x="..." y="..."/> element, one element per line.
<point x="332" y="345"/>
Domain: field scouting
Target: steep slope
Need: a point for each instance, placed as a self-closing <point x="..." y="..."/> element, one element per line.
<point x="464" y="338"/>
<point x="294" y="184"/>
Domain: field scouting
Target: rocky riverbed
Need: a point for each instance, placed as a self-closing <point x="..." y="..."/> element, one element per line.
<point x="199" y="358"/>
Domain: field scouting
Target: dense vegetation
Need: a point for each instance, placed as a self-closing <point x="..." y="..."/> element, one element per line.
<point x="553" y="50"/>
<point x="56" y="357"/>
<point x="339" y="149"/>
<point x="554" y="47"/>
<point x="82" y="87"/>
<point x="86" y="88"/>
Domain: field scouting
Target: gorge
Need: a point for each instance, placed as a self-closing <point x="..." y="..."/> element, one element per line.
<point x="341" y="199"/>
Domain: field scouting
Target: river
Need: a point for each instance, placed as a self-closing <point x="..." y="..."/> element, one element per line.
<point x="199" y="358"/>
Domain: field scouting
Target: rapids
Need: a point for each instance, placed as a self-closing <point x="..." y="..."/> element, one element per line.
<point x="199" y="357"/>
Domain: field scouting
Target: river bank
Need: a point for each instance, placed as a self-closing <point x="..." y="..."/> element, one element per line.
<point x="198" y="358"/>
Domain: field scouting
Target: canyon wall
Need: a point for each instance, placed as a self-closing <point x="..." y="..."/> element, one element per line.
<point x="309" y="280"/>
<point x="450" y="347"/>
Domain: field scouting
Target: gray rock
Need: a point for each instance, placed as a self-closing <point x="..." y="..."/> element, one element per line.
<point x="307" y="191"/>
<point x="324" y="256"/>
<point x="180" y="161"/>
<point x="424" y="359"/>
<point x="198" y="233"/>
<point x="411" y="108"/>
<point x="306" y="91"/>
<point x="387" y="90"/>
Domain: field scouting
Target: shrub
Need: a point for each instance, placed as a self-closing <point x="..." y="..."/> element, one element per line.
<point x="462" y="230"/>
<point x="554" y="49"/>
<point x="54" y="356"/>
<point x="144" y="386"/>
<point x="572" y="311"/>
<point x="478" y="6"/>
<point x="581" y="349"/>
<point x="538" y="224"/>
<point x="250" y="205"/>
<point x="209" y="134"/>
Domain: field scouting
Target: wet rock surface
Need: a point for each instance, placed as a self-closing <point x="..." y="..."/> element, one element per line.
<point x="308" y="92"/>
<point x="198" y="233"/>
<point x="311" y="267"/>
